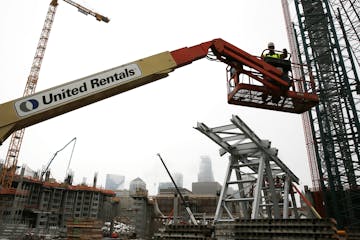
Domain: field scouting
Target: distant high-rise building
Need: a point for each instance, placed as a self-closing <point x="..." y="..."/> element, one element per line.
<point x="179" y="179"/>
<point x="205" y="170"/>
<point x="206" y="188"/>
<point x="165" y="185"/>
<point x="114" y="182"/>
<point x="137" y="185"/>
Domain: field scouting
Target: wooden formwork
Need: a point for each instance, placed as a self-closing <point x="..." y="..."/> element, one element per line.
<point x="84" y="229"/>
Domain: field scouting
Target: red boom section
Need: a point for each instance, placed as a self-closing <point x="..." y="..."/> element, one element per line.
<point x="254" y="82"/>
<point x="187" y="55"/>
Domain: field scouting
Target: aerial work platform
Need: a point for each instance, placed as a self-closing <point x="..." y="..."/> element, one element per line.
<point x="251" y="95"/>
<point x="268" y="83"/>
<point x="246" y="89"/>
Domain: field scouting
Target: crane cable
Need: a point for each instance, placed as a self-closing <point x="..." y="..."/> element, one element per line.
<point x="72" y="151"/>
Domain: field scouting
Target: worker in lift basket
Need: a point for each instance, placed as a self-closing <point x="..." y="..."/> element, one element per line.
<point x="278" y="60"/>
<point x="272" y="54"/>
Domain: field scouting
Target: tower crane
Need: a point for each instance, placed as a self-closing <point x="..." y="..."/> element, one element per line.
<point x="9" y="167"/>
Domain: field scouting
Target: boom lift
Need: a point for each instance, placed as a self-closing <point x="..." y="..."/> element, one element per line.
<point x="38" y="107"/>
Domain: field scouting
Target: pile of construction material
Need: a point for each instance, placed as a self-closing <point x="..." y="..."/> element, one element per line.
<point x="279" y="229"/>
<point x="180" y="231"/>
<point x="84" y="229"/>
<point x="118" y="229"/>
<point x="123" y="228"/>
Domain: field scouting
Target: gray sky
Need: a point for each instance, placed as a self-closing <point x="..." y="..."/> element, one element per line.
<point x="123" y="134"/>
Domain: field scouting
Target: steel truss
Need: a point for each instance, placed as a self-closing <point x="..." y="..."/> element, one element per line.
<point x="262" y="183"/>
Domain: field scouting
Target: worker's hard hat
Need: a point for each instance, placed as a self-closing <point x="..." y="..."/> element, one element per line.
<point x="271" y="45"/>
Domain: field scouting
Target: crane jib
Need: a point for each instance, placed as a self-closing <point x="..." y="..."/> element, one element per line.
<point x="76" y="89"/>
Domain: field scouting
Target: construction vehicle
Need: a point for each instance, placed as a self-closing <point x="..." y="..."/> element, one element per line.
<point x="244" y="88"/>
<point x="185" y="203"/>
<point x="12" y="155"/>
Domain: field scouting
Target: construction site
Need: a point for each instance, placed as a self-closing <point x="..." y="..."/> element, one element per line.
<point x="260" y="196"/>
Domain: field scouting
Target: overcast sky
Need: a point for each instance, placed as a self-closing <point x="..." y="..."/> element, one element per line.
<point x="123" y="134"/>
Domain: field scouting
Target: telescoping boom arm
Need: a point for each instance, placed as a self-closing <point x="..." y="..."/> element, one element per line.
<point x="40" y="106"/>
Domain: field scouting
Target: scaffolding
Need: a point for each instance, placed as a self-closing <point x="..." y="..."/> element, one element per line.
<point x="327" y="39"/>
<point x="347" y="13"/>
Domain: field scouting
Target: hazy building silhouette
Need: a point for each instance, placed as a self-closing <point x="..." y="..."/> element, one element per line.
<point x="205" y="170"/>
<point x="179" y="179"/>
<point x="165" y="185"/>
<point x="206" y="188"/>
<point x="114" y="182"/>
<point x="137" y="185"/>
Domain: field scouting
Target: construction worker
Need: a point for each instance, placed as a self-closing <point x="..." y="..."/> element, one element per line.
<point x="272" y="54"/>
<point x="235" y="68"/>
<point x="278" y="60"/>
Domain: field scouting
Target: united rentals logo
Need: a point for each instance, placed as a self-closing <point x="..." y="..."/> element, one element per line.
<point x="29" y="105"/>
<point x="77" y="89"/>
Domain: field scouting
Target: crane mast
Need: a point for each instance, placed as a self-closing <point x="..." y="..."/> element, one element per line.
<point x="12" y="155"/>
<point x="9" y="167"/>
